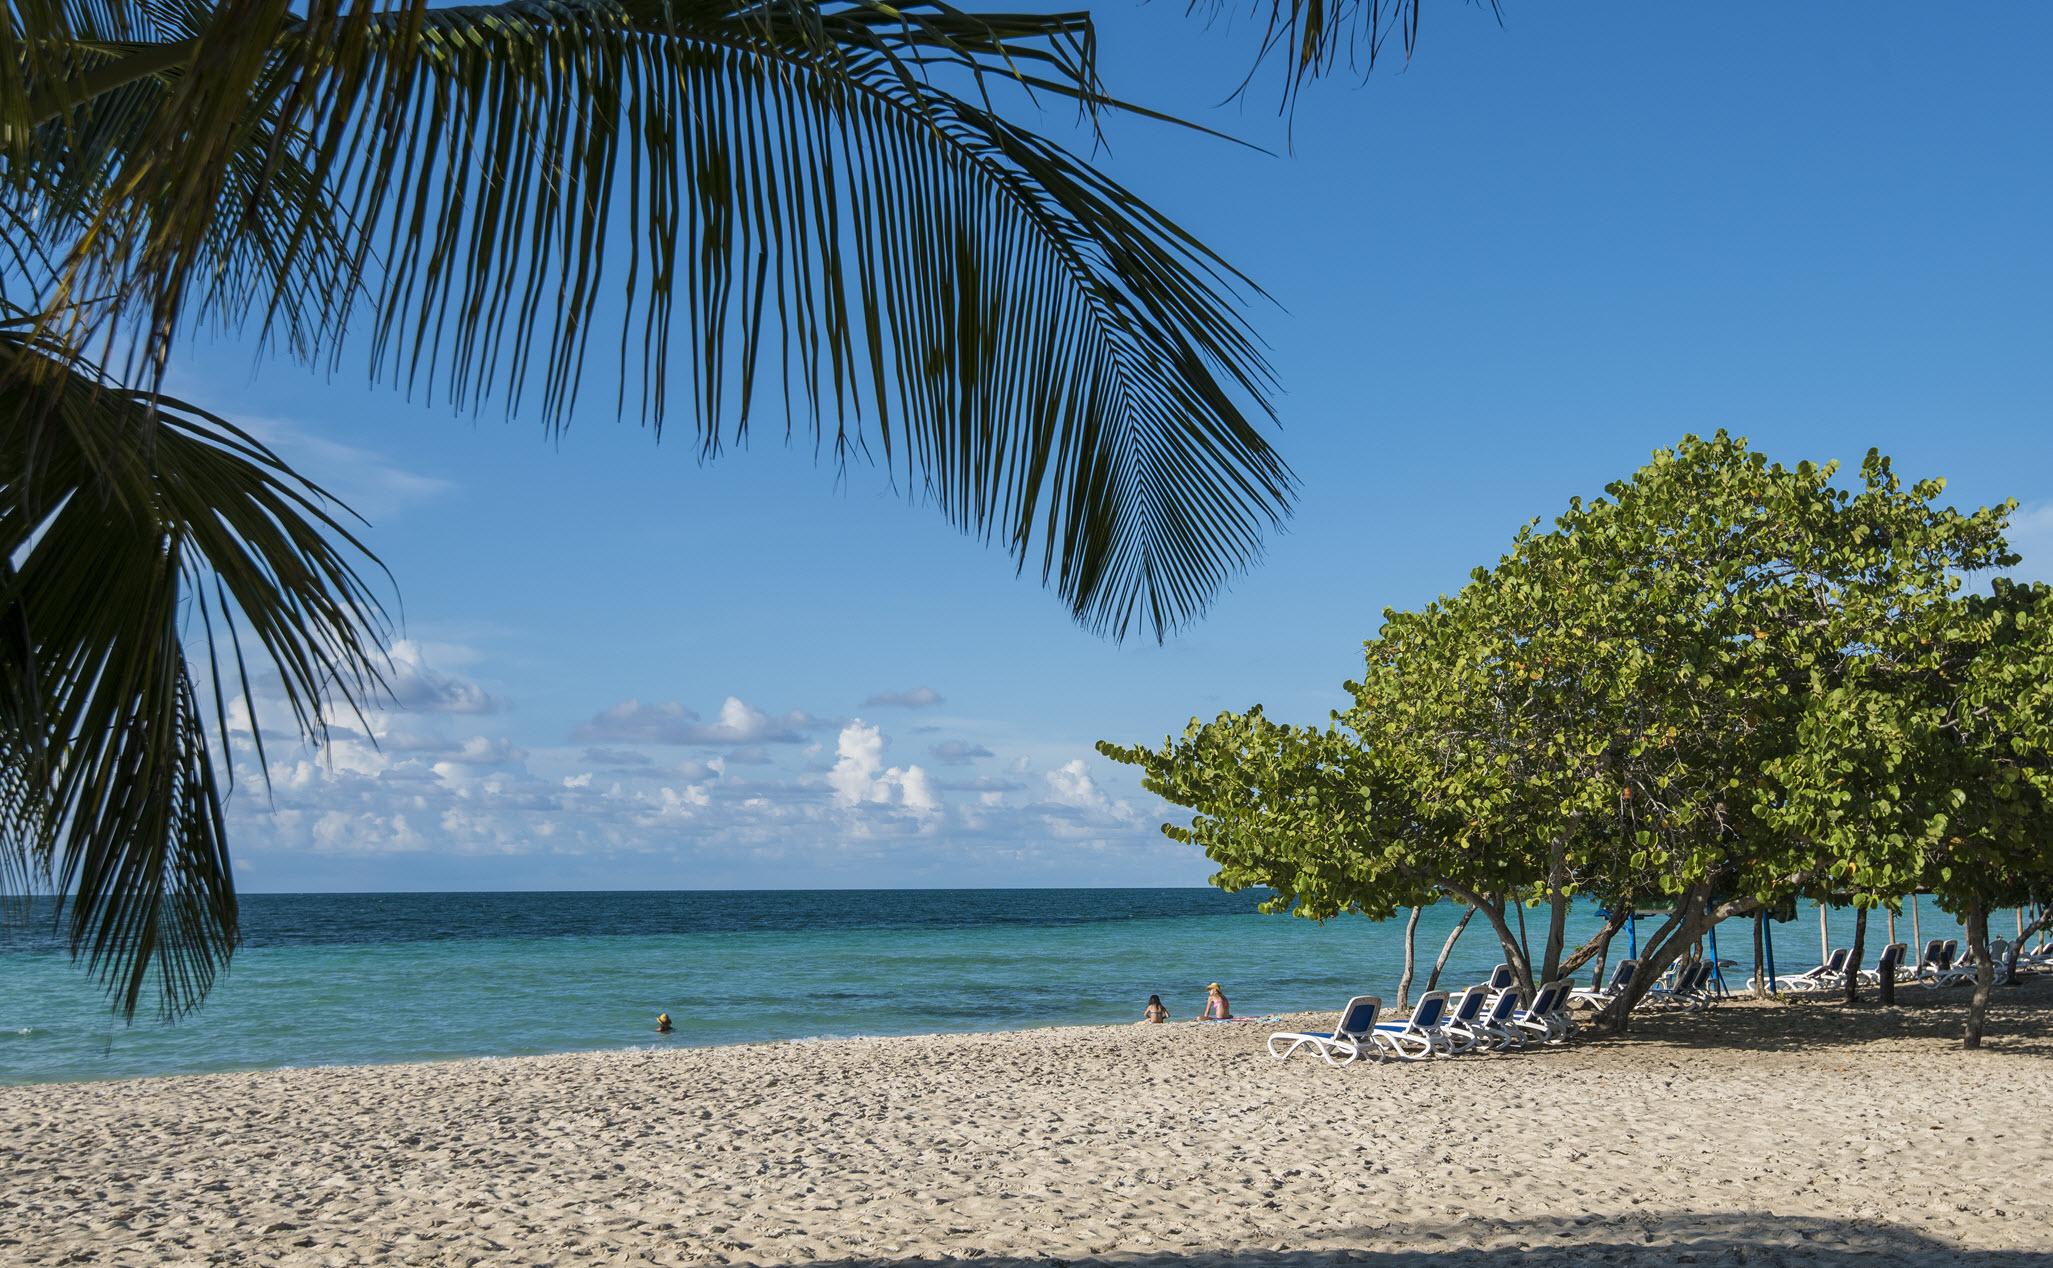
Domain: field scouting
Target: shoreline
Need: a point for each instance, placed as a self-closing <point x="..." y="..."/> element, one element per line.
<point x="1913" y="1002"/>
<point x="1796" y="1134"/>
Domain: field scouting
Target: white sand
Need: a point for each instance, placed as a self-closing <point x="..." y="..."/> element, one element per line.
<point x="1717" y="1139"/>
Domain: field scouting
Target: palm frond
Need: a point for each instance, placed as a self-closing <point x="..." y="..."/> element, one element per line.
<point x="1316" y="38"/>
<point x="815" y="210"/>
<point x="127" y="519"/>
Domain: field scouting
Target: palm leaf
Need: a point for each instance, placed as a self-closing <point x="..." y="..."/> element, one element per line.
<point x="817" y="210"/>
<point x="1315" y="38"/>
<point x="128" y="520"/>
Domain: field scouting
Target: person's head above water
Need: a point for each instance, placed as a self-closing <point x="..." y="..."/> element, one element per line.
<point x="1213" y="988"/>
<point x="662" y="1021"/>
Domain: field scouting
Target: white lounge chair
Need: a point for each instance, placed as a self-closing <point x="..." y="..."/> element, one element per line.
<point x="1823" y="977"/>
<point x="1601" y="996"/>
<point x="1345" y="1044"/>
<point x="1890" y="962"/>
<point x="1498" y="1026"/>
<point x="1461" y="1025"/>
<point x="1684" y="989"/>
<point x="1928" y="960"/>
<point x="1548" y="1017"/>
<point x="1418" y="1036"/>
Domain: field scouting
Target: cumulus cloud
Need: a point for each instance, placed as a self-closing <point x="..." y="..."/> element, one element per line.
<point x="958" y="752"/>
<point x="859" y="775"/>
<point x="910" y="698"/>
<point x="632" y="722"/>
<point x="1071" y="785"/>
<point x="453" y="782"/>
<point x="421" y="688"/>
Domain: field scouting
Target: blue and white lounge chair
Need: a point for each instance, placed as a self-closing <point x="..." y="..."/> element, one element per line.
<point x="1420" y="1035"/>
<point x="1498" y="1025"/>
<point x="1601" y="996"/>
<point x="1824" y="977"/>
<point x="1890" y="962"/>
<point x="1548" y="1017"/>
<point x="1928" y="960"/>
<point x="1348" y="1040"/>
<point x="1462" y="1034"/>
<point x="1683" y="989"/>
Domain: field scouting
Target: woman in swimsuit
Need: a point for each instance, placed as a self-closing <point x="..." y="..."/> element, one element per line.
<point x="1215" y="1005"/>
<point x="1154" y="1014"/>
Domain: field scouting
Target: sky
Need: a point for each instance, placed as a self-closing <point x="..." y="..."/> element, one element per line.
<point x="1501" y="275"/>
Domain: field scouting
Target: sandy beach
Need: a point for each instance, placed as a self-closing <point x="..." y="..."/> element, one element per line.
<point x="1757" y="1134"/>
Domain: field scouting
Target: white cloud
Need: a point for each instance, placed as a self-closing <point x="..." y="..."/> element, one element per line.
<point x="1071" y="785"/>
<point x="958" y="752"/>
<point x="368" y="482"/>
<point x="454" y="784"/>
<point x="421" y="688"/>
<point x="632" y="722"/>
<point x="859" y="775"/>
<point x="910" y="698"/>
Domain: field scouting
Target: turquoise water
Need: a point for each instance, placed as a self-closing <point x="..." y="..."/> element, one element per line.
<point x="361" y="978"/>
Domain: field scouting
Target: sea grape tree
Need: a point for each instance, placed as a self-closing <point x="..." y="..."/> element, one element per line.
<point x="1642" y="702"/>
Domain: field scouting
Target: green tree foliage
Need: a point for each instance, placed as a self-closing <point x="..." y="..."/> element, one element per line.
<point x="1724" y="683"/>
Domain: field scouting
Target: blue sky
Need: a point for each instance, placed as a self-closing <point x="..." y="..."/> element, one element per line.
<point x="1502" y="274"/>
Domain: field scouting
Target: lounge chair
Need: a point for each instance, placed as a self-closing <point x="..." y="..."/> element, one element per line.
<point x="1418" y="1036"/>
<point x="1683" y="990"/>
<point x="1942" y="966"/>
<point x="1345" y="1044"/>
<point x="1890" y="964"/>
<point x="1499" y="1023"/>
<point x="1502" y="978"/>
<point x="1548" y="1017"/>
<point x="1461" y="1024"/>
<point x="1928" y="959"/>
<point x="1823" y="977"/>
<point x="1601" y="996"/>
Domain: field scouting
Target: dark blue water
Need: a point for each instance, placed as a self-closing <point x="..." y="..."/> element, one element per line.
<point x="358" y="978"/>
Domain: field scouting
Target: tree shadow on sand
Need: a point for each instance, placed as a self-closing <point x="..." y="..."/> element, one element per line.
<point x="1747" y="1237"/>
<point x="2020" y="1021"/>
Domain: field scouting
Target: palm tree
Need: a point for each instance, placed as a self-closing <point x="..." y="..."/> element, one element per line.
<point x="820" y="209"/>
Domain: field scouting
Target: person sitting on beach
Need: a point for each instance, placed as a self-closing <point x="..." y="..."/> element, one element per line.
<point x="662" y="1023"/>
<point x="1216" y="1008"/>
<point x="1154" y="1014"/>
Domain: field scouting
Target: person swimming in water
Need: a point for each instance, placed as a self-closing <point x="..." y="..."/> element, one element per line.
<point x="1216" y="1008"/>
<point x="1155" y="1013"/>
<point x="662" y="1023"/>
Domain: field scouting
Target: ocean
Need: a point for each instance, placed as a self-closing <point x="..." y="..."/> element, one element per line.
<point x="346" y="979"/>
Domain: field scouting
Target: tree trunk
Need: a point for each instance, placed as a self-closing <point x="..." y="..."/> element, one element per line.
<point x="1853" y="959"/>
<point x="1985" y="975"/>
<point x="1557" y="915"/>
<point x="1525" y="949"/>
<point x="1447" y="949"/>
<point x="1684" y="926"/>
<point x="1411" y="934"/>
<point x="1760" y="956"/>
<point x="1595" y="949"/>
<point x="1521" y="968"/>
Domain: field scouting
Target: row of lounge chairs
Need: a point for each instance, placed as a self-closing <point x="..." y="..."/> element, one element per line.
<point x="1489" y="1016"/>
<point x="1495" y="1015"/>
<point x="1939" y="964"/>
